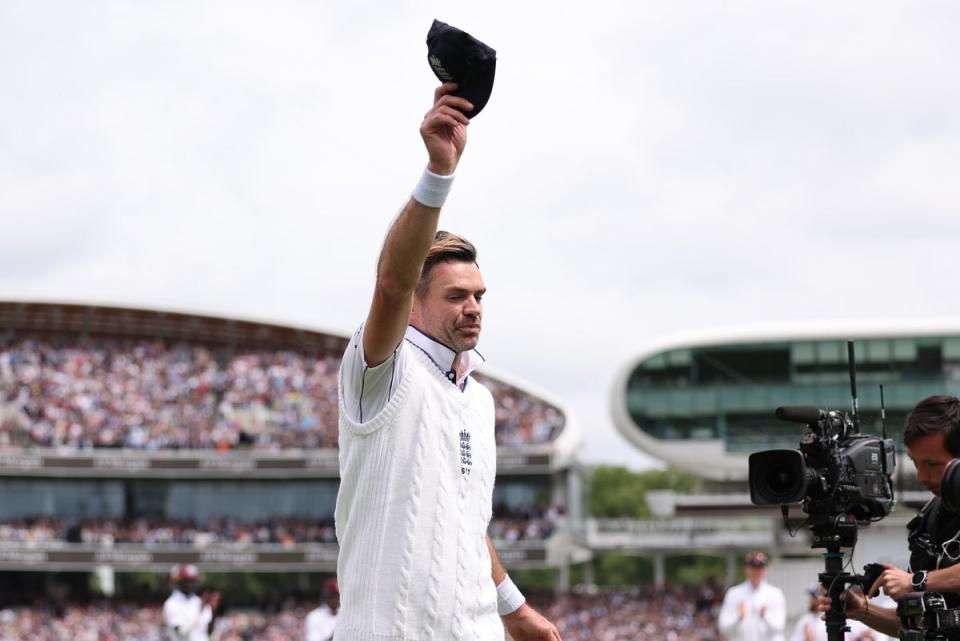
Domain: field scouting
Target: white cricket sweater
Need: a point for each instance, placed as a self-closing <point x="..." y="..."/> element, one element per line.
<point x="415" y="500"/>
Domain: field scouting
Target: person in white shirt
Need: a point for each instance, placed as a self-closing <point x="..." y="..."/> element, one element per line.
<point x="754" y="610"/>
<point x="322" y="621"/>
<point x="186" y="615"/>
<point x="417" y="448"/>
<point x="811" y="626"/>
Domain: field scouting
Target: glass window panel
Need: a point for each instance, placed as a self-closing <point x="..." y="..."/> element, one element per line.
<point x="831" y="352"/>
<point x="951" y="348"/>
<point x="678" y="358"/>
<point x="705" y="401"/>
<point x="904" y="349"/>
<point x="657" y="362"/>
<point x="245" y="500"/>
<point x="803" y="353"/>
<point x="878" y="351"/>
<point x="516" y="496"/>
<point x="67" y="499"/>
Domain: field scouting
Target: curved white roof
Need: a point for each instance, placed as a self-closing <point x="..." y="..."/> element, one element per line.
<point x="708" y="457"/>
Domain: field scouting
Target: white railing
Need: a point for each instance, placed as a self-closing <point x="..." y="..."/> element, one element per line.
<point x="684" y="533"/>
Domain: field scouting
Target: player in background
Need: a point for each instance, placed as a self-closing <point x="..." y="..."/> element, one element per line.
<point x="188" y="616"/>
<point x="322" y="620"/>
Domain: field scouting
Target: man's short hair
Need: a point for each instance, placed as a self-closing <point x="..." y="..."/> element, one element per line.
<point x="446" y="247"/>
<point x="935" y="415"/>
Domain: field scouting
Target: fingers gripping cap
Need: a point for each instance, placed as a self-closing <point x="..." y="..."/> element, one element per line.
<point x="456" y="56"/>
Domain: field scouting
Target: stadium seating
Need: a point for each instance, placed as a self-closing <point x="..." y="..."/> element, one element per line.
<point x="149" y="395"/>
<point x="682" y="614"/>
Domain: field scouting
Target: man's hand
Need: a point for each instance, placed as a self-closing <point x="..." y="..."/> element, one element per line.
<point x="212" y="599"/>
<point x="742" y="610"/>
<point x="895" y="583"/>
<point x="526" y="624"/>
<point x="855" y="602"/>
<point x="444" y="130"/>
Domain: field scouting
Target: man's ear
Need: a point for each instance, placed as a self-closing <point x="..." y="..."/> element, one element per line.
<point x="415" y="310"/>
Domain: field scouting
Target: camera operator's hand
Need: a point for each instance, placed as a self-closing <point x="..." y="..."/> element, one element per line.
<point x="895" y="583"/>
<point x="854" y="604"/>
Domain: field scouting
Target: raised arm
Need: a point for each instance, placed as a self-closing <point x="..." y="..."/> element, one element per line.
<point x="444" y="132"/>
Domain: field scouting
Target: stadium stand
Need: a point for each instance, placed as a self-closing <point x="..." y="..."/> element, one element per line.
<point x="672" y="614"/>
<point x="147" y="394"/>
<point x="131" y="439"/>
<point x="508" y="526"/>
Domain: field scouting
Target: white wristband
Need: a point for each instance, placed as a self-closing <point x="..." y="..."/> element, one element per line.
<point x="432" y="189"/>
<point x="509" y="598"/>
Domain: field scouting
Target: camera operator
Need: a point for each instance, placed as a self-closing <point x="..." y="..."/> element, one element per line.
<point x="932" y="439"/>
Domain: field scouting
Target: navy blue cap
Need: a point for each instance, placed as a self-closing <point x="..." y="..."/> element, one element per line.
<point x="456" y="56"/>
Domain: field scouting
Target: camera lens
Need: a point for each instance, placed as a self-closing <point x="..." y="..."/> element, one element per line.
<point x="776" y="477"/>
<point x="780" y="481"/>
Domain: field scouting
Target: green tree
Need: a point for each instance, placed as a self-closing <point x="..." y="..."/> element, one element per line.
<point x="617" y="492"/>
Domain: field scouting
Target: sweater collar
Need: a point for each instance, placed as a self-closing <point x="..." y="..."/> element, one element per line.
<point x="442" y="356"/>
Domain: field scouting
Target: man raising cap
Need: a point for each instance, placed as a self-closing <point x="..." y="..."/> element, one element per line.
<point x="417" y="448"/>
<point x="753" y="610"/>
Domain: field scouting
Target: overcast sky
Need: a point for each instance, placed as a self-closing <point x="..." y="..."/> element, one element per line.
<point x="641" y="168"/>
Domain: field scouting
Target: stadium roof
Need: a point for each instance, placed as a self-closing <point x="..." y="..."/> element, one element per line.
<point x="114" y="321"/>
<point x="709" y="457"/>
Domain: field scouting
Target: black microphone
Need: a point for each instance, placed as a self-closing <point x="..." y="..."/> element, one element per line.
<point x="800" y="413"/>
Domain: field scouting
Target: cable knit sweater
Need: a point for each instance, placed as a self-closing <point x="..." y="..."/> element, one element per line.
<point x="416" y="494"/>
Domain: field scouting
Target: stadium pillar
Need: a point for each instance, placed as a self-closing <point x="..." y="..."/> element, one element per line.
<point x="731" y="568"/>
<point x="106" y="580"/>
<point x="659" y="569"/>
<point x="563" y="578"/>
<point x="588" y="577"/>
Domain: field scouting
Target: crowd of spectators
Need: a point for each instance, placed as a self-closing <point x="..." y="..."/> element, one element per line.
<point x="533" y="523"/>
<point x="150" y="395"/>
<point x="125" y="622"/>
<point x="665" y="614"/>
<point x="507" y="525"/>
<point x="670" y="614"/>
<point x="112" y="623"/>
<point x="150" y="532"/>
<point x="521" y="418"/>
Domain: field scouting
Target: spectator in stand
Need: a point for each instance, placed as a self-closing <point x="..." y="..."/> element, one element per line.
<point x="810" y="626"/>
<point x="754" y="610"/>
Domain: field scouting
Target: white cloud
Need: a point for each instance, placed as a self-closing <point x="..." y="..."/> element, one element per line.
<point x="641" y="167"/>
